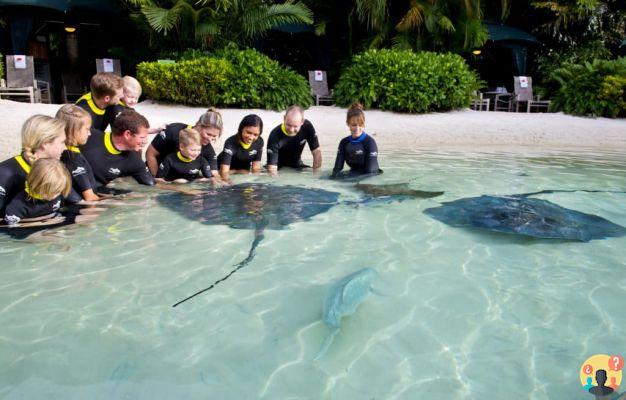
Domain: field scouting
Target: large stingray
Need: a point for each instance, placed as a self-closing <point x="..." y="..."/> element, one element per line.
<point x="251" y="206"/>
<point x="395" y="189"/>
<point x="522" y="215"/>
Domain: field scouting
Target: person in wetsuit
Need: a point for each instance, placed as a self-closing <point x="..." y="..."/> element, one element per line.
<point x="42" y="137"/>
<point x="46" y="185"/>
<point x="186" y="164"/>
<point x="106" y="90"/>
<point x="77" y="131"/>
<point x="286" y="142"/>
<point x="358" y="150"/>
<point x="243" y="151"/>
<point x="209" y="126"/>
<point x="112" y="155"/>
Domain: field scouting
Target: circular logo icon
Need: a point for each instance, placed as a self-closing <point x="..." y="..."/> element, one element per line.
<point x="601" y="374"/>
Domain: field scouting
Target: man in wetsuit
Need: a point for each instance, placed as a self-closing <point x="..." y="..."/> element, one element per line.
<point x="106" y="91"/>
<point x="286" y="142"/>
<point x="112" y="155"/>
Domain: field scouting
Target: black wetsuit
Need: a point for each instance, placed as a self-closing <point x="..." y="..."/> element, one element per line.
<point x="360" y="154"/>
<point x="109" y="163"/>
<point x="99" y="118"/>
<point x="23" y="206"/>
<point x="111" y="112"/>
<point x="13" y="173"/>
<point x="176" y="166"/>
<point x="167" y="142"/>
<point x="285" y="151"/>
<point x="81" y="172"/>
<point x="239" y="158"/>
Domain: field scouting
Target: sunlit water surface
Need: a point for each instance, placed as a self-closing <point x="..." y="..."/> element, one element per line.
<point x="459" y="314"/>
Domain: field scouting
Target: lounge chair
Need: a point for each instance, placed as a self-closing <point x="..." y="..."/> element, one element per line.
<point x="319" y="87"/>
<point x="523" y="87"/>
<point x="21" y="80"/>
<point x="108" y="65"/>
<point x="479" y="103"/>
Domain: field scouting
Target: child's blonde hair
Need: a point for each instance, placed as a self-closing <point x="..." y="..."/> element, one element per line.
<point x="189" y="136"/>
<point x="132" y="84"/>
<point x="38" y="130"/>
<point x="74" y="118"/>
<point x="48" y="178"/>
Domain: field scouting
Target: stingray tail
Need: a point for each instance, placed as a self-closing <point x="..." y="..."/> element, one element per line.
<point x="326" y="344"/>
<point x="567" y="191"/>
<point x="258" y="236"/>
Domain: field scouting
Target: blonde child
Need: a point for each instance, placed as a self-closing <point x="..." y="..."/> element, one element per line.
<point x="186" y="164"/>
<point x="77" y="131"/>
<point x="47" y="183"/>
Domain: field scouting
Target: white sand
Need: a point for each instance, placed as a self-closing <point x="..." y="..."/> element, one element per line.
<point x="470" y="129"/>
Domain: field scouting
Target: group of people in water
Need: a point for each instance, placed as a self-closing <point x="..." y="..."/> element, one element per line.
<point x="70" y="158"/>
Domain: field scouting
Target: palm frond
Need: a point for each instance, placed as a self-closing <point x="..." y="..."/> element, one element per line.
<point x="320" y="28"/>
<point x="160" y="19"/>
<point x="256" y="21"/>
<point x="372" y="12"/>
<point x="414" y="18"/>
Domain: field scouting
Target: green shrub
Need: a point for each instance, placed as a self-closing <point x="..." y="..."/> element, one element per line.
<point x="406" y="81"/>
<point x="592" y="89"/>
<point x="229" y="78"/>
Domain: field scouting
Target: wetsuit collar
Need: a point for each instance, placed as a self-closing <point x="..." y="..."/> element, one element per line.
<point x="92" y="105"/>
<point x="28" y="192"/>
<point x="245" y="146"/>
<point x="359" y="139"/>
<point x="123" y="104"/>
<point x="109" y="144"/>
<point x="189" y="127"/>
<point x="25" y="166"/>
<point x="73" y="149"/>
<point x="284" y="129"/>
<point x="182" y="158"/>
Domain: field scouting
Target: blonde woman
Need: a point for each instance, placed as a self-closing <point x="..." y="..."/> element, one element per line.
<point x="47" y="183"/>
<point x="42" y="137"/>
<point x="77" y="131"/>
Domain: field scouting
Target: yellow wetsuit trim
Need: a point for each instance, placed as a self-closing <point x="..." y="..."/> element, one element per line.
<point x="109" y="144"/>
<point x="182" y="158"/>
<point x="189" y="127"/>
<point x="284" y="128"/>
<point x="245" y="146"/>
<point x="73" y="149"/>
<point x="25" y="166"/>
<point x="121" y="103"/>
<point x="28" y="192"/>
<point x="94" y="108"/>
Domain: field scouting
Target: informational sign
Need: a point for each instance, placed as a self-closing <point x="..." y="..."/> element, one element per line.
<point x="523" y="81"/>
<point x="107" y="65"/>
<point x="20" y="62"/>
<point x="319" y="76"/>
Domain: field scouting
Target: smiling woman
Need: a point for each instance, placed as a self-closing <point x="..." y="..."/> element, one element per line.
<point x="242" y="152"/>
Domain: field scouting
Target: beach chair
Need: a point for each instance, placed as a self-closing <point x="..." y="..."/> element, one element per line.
<point x="479" y="103"/>
<point x="108" y="65"/>
<point x="319" y="87"/>
<point x="21" y="82"/>
<point x="523" y="88"/>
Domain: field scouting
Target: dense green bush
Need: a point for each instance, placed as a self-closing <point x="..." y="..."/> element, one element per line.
<point x="406" y="81"/>
<point x="229" y="78"/>
<point x="592" y="89"/>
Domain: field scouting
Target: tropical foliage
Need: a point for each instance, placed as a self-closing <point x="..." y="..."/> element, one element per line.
<point x="593" y="89"/>
<point x="214" y="23"/>
<point x="401" y="80"/>
<point x="228" y="78"/>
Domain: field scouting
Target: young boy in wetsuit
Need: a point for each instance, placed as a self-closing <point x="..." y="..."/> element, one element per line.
<point x="185" y="165"/>
<point x="47" y="183"/>
<point x="106" y="91"/>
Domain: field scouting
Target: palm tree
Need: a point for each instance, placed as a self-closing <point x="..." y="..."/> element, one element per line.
<point x="213" y="23"/>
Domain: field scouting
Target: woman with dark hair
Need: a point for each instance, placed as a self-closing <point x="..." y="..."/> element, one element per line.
<point x="242" y="152"/>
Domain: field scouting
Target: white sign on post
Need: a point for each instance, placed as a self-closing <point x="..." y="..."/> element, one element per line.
<point x="523" y="81"/>
<point x="20" y="62"/>
<point x="107" y="65"/>
<point x="319" y="76"/>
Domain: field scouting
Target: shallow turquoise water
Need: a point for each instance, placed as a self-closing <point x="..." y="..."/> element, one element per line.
<point x="464" y="314"/>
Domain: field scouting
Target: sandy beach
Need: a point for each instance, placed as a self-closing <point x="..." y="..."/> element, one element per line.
<point x="465" y="128"/>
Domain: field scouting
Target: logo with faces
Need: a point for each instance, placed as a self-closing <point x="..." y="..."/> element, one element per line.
<point x="114" y="171"/>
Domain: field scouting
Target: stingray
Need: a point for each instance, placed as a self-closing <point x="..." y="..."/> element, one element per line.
<point x="523" y="215"/>
<point x="395" y="189"/>
<point x="251" y="206"/>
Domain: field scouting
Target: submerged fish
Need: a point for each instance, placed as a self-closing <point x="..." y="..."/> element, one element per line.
<point x="395" y="189"/>
<point x="342" y="299"/>
<point x="522" y="215"/>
